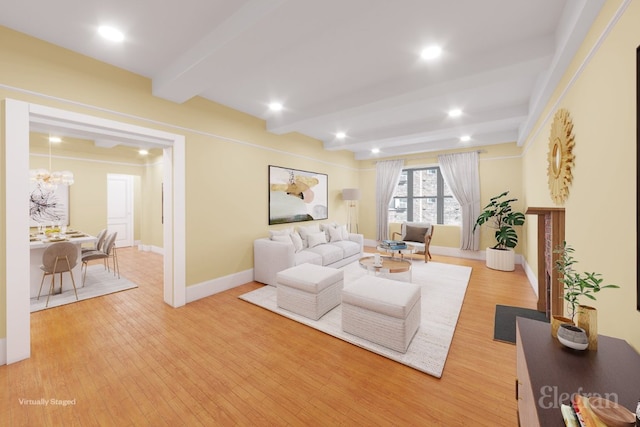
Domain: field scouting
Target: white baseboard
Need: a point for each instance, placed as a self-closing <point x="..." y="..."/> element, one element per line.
<point x="151" y="248"/>
<point x="212" y="287"/>
<point x="3" y="351"/>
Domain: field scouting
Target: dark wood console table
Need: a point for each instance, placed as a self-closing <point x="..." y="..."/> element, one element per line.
<point x="549" y="373"/>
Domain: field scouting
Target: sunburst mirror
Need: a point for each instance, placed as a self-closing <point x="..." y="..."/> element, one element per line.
<point x="560" y="157"/>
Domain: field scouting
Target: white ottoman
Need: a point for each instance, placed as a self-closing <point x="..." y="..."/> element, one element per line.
<point x="383" y="311"/>
<point x="309" y="290"/>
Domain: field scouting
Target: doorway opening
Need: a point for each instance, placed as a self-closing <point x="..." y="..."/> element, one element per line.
<point x="20" y="118"/>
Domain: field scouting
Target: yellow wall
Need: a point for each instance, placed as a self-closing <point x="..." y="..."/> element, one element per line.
<point x="227" y="153"/>
<point x="601" y="208"/>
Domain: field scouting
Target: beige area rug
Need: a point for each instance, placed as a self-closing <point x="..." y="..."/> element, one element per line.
<point x="443" y="290"/>
<point x="99" y="282"/>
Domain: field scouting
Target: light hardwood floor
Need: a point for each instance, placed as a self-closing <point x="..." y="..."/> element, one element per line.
<point x="128" y="359"/>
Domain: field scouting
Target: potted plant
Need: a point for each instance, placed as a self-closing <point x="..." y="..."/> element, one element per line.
<point x="499" y="214"/>
<point x="578" y="285"/>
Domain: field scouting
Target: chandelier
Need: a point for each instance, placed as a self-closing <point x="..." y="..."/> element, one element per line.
<point x="47" y="179"/>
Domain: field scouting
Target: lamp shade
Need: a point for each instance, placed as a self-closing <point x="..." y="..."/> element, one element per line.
<point x="350" y="194"/>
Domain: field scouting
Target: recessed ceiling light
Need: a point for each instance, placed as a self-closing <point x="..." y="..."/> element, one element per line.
<point x="432" y="52"/>
<point x="465" y="138"/>
<point x="341" y="135"/>
<point x="375" y="150"/>
<point x="55" y="139"/>
<point x="456" y="112"/>
<point x="275" y="106"/>
<point x="110" y="33"/>
<point x="143" y="152"/>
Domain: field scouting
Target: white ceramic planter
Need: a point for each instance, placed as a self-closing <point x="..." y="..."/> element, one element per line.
<point x="501" y="259"/>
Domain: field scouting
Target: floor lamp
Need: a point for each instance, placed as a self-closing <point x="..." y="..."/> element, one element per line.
<point x="351" y="195"/>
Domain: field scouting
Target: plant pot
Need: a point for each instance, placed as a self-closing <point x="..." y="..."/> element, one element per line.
<point x="573" y="337"/>
<point x="587" y="319"/>
<point x="556" y="321"/>
<point x="501" y="259"/>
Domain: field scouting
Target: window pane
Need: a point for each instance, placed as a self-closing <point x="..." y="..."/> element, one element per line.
<point x="425" y="210"/>
<point x="398" y="210"/>
<point x="452" y="212"/>
<point x="401" y="188"/>
<point x="425" y="182"/>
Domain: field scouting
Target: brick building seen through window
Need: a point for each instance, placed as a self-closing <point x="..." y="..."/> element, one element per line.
<point x="423" y="196"/>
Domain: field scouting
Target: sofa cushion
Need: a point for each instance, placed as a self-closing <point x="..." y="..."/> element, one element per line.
<point x="306" y="256"/>
<point x="284" y="238"/>
<point x="283" y="232"/>
<point x="316" y="239"/>
<point x="297" y="241"/>
<point x="329" y="253"/>
<point x="348" y="247"/>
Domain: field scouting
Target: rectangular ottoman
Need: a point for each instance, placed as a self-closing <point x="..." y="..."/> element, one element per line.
<point x="383" y="311"/>
<point x="309" y="290"/>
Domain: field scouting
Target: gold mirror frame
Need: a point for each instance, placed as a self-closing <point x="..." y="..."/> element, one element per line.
<point x="560" y="157"/>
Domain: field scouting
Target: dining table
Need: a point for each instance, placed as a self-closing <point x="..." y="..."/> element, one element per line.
<point x="38" y="243"/>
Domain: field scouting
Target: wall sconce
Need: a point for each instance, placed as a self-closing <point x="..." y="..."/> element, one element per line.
<point x="351" y="195"/>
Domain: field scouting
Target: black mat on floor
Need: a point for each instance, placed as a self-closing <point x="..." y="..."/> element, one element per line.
<point x="504" y="327"/>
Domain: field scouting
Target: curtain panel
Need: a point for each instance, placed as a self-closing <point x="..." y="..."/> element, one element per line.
<point x="387" y="177"/>
<point x="460" y="171"/>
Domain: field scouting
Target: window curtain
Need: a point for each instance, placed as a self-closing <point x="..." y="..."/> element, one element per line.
<point x="387" y="176"/>
<point x="460" y="171"/>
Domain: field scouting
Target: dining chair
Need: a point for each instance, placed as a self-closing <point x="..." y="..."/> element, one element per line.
<point x="58" y="258"/>
<point x="99" y="242"/>
<point x="108" y="252"/>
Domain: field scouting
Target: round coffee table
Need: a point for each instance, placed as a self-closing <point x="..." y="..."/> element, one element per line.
<point x="388" y="265"/>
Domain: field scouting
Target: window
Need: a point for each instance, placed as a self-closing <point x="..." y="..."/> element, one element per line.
<point x="423" y="196"/>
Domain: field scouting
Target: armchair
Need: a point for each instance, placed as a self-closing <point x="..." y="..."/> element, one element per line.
<point x="417" y="234"/>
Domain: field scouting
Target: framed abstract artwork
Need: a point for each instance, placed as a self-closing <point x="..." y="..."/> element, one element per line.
<point x="297" y="195"/>
<point x="48" y="206"/>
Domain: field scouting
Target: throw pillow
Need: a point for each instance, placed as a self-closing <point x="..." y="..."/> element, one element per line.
<point x="415" y="234"/>
<point x="297" y="241"/>
<point x="281" y="238"/>
<point x="306" y="230"/>
<point x="316" y="239"/>
<point x="345" y="232"/>
<point x="335" y="234"/>
<point x="283" y="232"/>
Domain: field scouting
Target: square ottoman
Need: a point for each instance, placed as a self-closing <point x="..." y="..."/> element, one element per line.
<point x="309" y="290"/>
<point x="383" y="311"/>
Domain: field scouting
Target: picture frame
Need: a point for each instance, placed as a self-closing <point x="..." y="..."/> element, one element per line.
<point x="48" y="205"/>
<point x="297" y="195"/>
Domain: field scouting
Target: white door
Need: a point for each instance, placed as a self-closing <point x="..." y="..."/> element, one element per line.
<point x="120" y="208"/>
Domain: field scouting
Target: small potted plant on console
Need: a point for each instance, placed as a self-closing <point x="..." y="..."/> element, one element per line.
<point x="583" y="333"/>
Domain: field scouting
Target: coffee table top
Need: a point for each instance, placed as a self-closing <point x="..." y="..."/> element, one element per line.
<point x="393" y="265"/>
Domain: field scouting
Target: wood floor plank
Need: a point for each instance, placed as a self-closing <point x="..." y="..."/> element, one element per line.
<point x="129" y="359"/>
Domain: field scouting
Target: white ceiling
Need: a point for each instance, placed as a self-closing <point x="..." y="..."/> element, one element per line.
<point x="338" y="65"/>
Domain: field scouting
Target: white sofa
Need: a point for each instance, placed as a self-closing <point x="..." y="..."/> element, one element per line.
<point x="328" y="244"/>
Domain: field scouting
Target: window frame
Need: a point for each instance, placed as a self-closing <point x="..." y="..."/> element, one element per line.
<point x="410" y="197"/>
